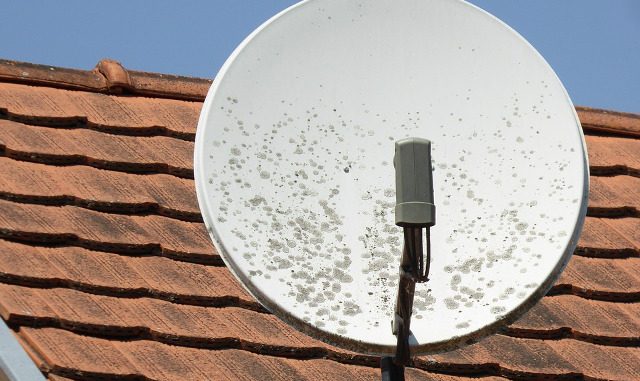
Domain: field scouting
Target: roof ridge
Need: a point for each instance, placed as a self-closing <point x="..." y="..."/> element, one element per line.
<point x="117" y="76"/>
<point x="608" y="121"/>
<point x="107" y="77"/>
<point x="609" y="112"/>
<point x="111" y="77"/>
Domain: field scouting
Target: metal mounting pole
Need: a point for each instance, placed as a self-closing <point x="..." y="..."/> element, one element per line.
<point x="391" y="371"/>
<point x="414" y="211"/>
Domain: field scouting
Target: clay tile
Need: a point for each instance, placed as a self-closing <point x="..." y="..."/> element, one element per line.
<point x="117" y="76"/>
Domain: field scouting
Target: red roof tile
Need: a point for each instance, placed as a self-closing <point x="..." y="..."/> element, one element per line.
<point x="108" y="77"/>
<point x="61" y="146"/>
<point x="126" y="276"/>
<point x="83" y="186"/>
<point x="601" y="278"/>
<point x="106" y="270"/>
<point x="619" y="123"/>
<point x="151" y="360"/>
<point x="536" y="358"/>
<point x="125" y="234"/>
<point x="112" y="114"/>
<point x="609" y="156"/>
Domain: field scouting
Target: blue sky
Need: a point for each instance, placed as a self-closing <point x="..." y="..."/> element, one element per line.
<point x="593" y="45"/>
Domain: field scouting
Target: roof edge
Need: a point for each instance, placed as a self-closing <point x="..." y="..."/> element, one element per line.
<point x="15" y="364"/>
<point x="108" y="77"/>
<point x="611" y="122"/>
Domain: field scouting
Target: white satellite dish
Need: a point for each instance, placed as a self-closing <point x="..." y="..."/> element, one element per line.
<point x="295" y="178"/>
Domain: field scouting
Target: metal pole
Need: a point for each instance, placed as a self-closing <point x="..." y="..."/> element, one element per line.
<point x="391" y="371"/>
<point x="414" y="211"/>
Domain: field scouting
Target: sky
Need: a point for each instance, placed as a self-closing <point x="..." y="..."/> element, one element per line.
<point x="593" y="45"/>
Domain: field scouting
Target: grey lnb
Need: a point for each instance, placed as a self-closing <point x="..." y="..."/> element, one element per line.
<point x="414" y="183"/>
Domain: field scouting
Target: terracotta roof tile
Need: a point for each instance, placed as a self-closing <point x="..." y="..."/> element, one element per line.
<point x="231" y="327"/>
<point x="117" y="77"/>
<point x="89" y="357"/>
<point x="544" y="359"/>
<point x="582" y="319"/>
<point x="621" y="123"/>
<point x="80" y="146"/>
<point x="610" y="156"/>
<point x="96" y="189"/>
<point x="611" y="237"/>
<point x="114" y="114"/>
<point x="106" y="271"/>
<point x="615" y="196"/>
<point x="135" y="235"/>
<point x="610" y="196"/>
<point x="103" y="273"/>
<point x="109" y="76"/>
<point x="43" y="75"/>
<point x="156" y="320"/>
<point x="601" y="278"/>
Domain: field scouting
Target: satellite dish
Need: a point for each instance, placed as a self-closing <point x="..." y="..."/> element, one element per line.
<point x="295" y="177"/>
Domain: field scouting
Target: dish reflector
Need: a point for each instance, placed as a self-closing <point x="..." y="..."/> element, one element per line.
<point x="295" y="179"/>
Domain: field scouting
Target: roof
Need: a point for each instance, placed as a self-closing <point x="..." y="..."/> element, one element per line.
<point x="107" y="272"/>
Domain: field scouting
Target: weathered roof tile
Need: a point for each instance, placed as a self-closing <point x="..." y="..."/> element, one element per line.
<point x="109" y="76"/>
<point x="109" y="113"/>
<point x="613" y="122"/>
<point x="106" y="271"/>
